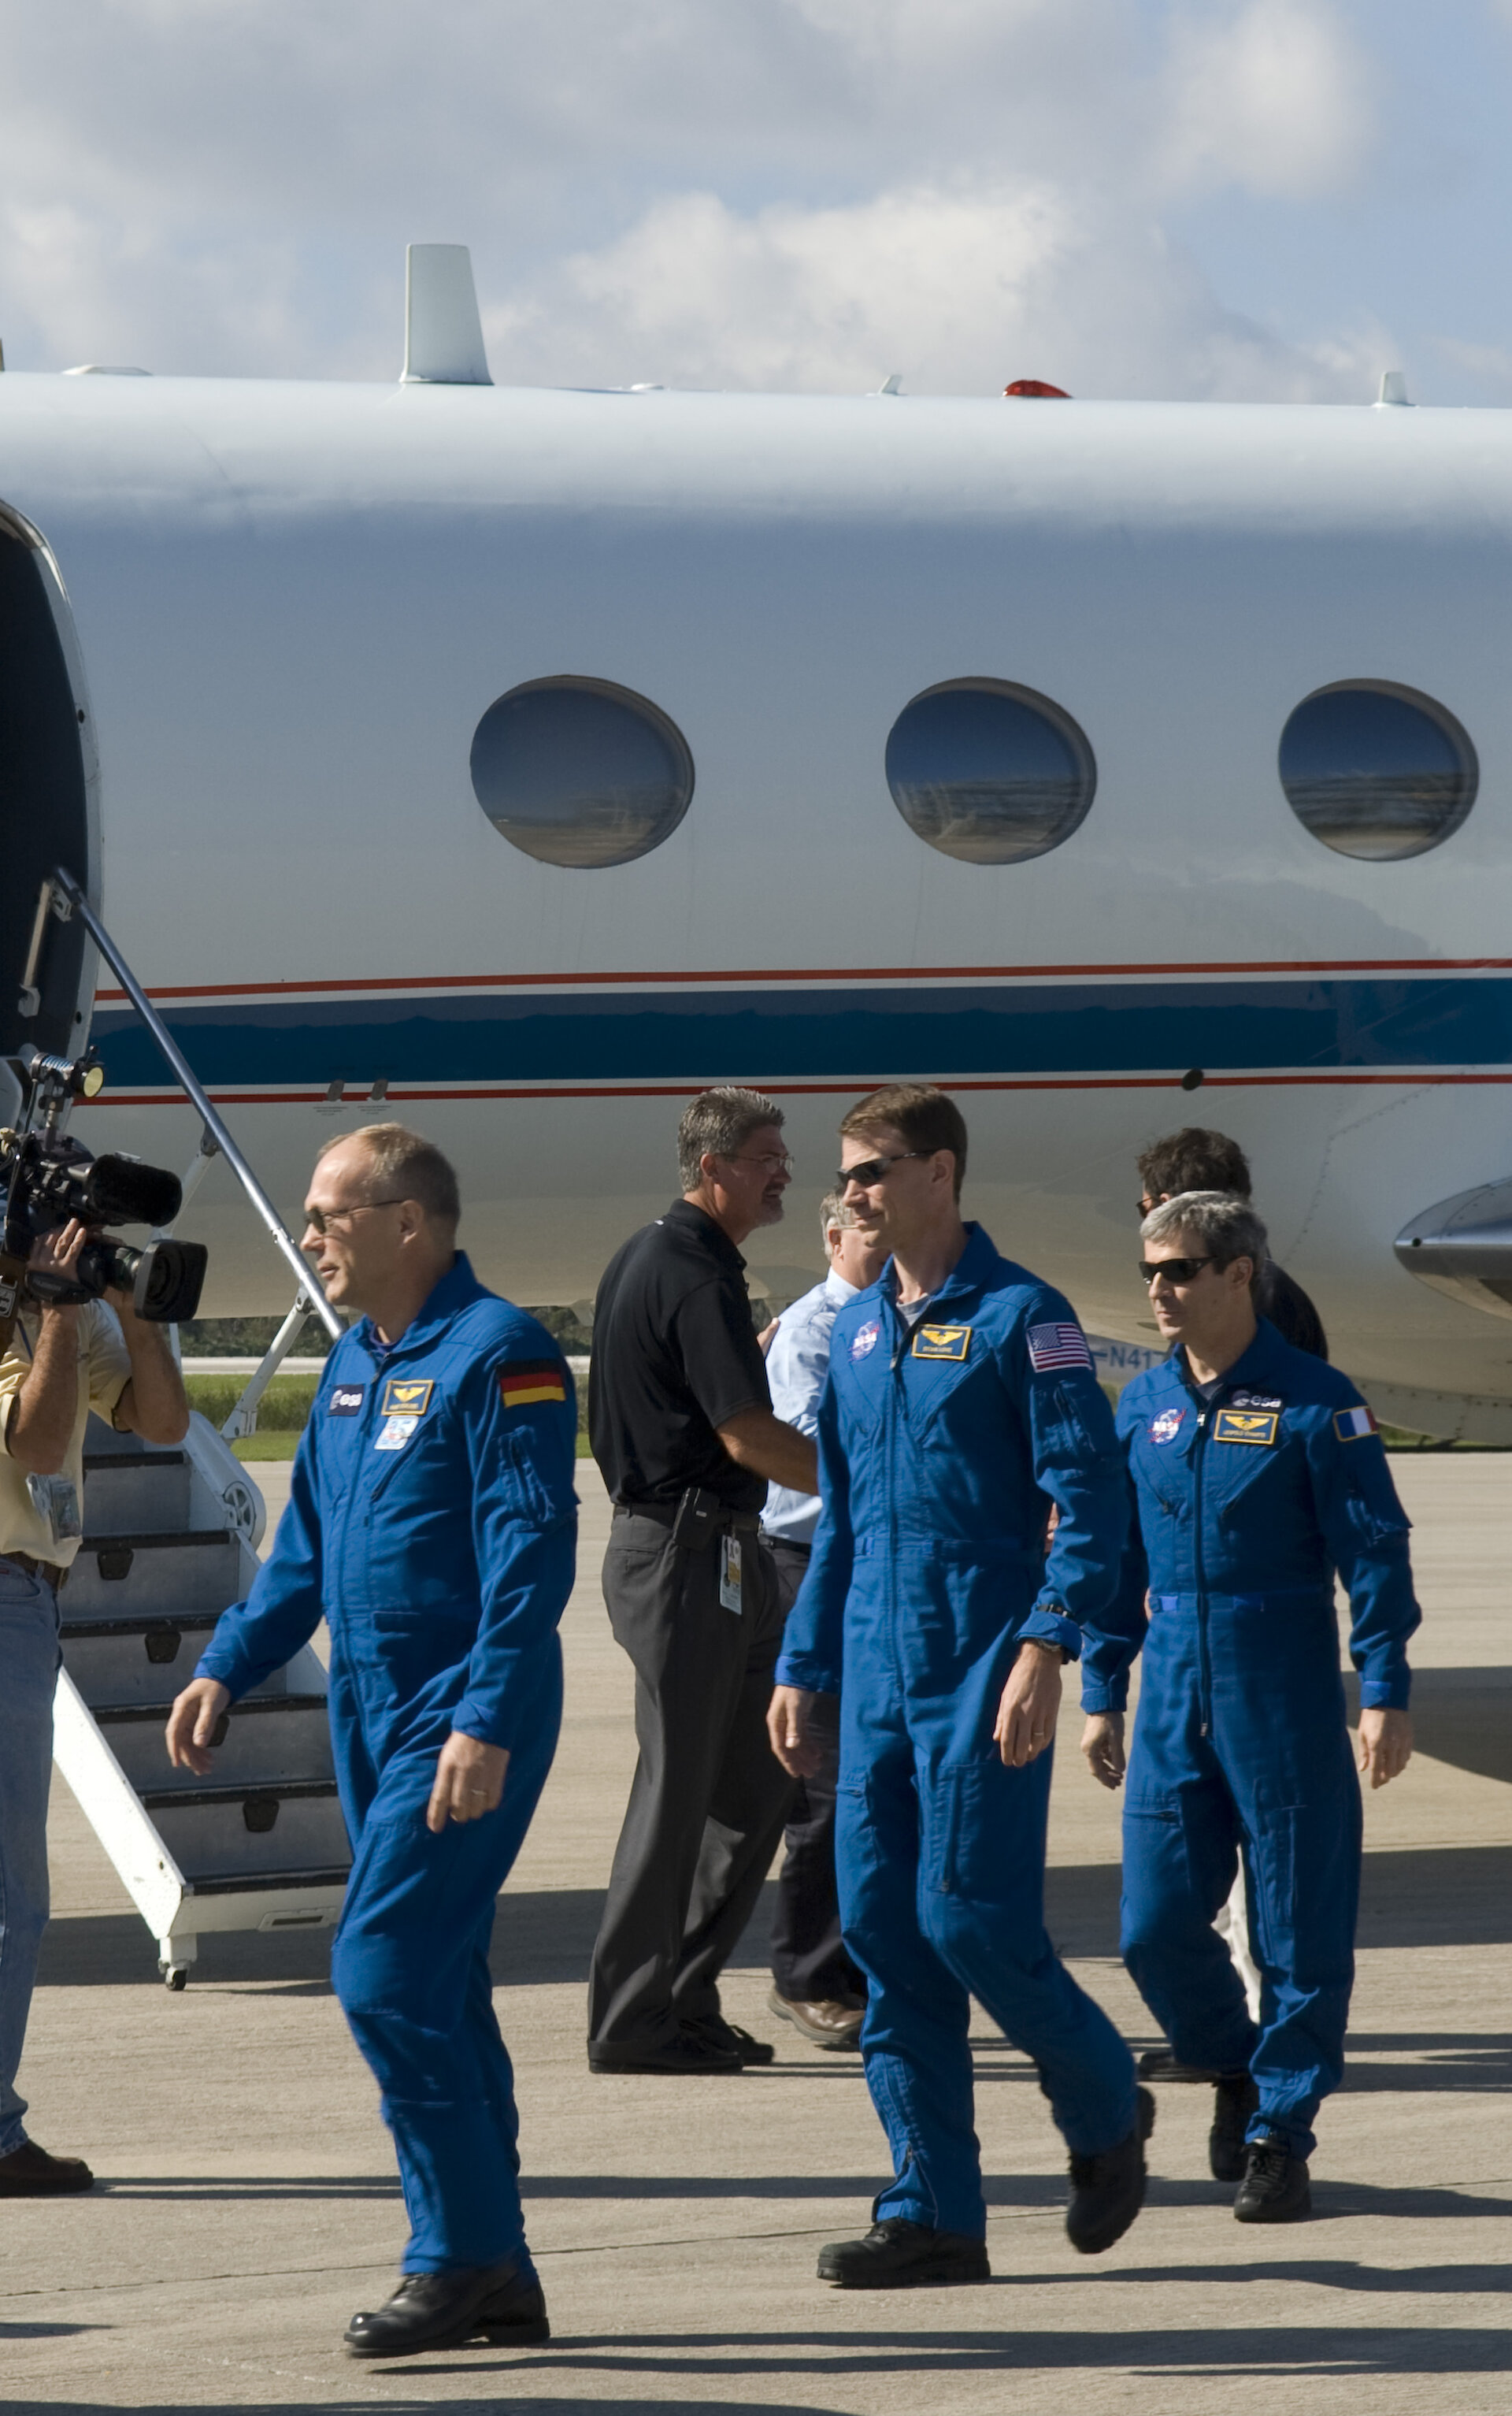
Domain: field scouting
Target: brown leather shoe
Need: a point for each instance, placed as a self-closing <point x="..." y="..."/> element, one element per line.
<point x="824" y="2021"/>
<point x="29" y="2171"/>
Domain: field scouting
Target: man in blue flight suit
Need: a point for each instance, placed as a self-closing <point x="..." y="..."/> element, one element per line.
<point x="960" y="1404"/>
<point x="1257" y="1472"/>
<point x="432" y="1523"/>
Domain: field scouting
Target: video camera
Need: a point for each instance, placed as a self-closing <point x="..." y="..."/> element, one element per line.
<point x="48" y="1179"/>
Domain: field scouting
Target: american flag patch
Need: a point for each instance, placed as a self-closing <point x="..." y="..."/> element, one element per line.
<point x="530" y="1380"/>
<point x="1349" y="1425"/>
<point x="1057" y="1346"/>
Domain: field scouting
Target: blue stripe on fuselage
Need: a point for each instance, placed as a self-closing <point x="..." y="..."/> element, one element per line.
<point x="1320" y="1023"/>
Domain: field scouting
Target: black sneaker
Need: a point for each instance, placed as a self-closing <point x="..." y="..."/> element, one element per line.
<point x="1108" y="2191"/>
<point x="1276" y="2187"/>
<point x="1234" y="2101"/>
<point x="897" y="2255"/>
<point x="685" y="2051"/>
<point x="1162" y="2064"/>
<point x="714" y="2030"/>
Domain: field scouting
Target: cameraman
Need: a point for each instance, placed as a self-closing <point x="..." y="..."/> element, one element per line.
<point x="61" y="1364"/>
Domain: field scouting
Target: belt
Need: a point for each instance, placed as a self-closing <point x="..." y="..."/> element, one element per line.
<point x="51" y="1572"/>
<point x="786" y="1543"/>
<point x="732" y="1522"/>
<point x="1284" y="1598"/>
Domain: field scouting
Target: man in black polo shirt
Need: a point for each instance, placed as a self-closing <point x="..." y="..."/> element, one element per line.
<point x="682" y="1428"/>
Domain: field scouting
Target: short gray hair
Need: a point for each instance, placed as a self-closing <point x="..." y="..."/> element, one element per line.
<point x="718" y="1121"/>
<point x="1225" y="1228"/>
<point x="403" y="1165"/>
<point x="834" y="1211"/>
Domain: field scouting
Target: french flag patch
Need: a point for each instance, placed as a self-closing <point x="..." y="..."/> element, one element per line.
<point x="1349" y="1425"/>
<point x="1057" y="1346"/>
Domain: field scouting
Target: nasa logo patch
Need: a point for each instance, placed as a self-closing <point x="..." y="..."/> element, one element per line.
<point x="1166" y="1427"/>
<point x="864" y="1340"/>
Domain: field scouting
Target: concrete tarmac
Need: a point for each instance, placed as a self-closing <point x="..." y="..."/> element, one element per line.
<point x="247" y="2201"/>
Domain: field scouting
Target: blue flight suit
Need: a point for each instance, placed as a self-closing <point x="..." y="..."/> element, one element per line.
<point x="1245" y="1504"/>
<point x="941" y="1448"/>
<point x="432" y="1523"/>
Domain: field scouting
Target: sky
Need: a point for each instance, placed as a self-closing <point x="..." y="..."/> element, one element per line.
<point x="1252" y="199"/>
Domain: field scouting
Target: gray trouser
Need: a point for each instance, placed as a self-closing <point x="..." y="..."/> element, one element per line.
<point x="709" y="1798"/>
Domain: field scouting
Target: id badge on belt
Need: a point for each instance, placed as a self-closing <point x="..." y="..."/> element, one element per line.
<point x="729" y="1573"/>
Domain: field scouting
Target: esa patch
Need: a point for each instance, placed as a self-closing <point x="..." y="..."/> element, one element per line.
<point x="346" y="1400"/>
<point x="1352" y="1426"/>
<point x="865" y="1338"/>
<point x="1245" y="1425"/>
<point x="1166" y="1427"/>
<point x="1256" y="1402"/>
<point x="408" y="1396"/>
<point x="525" y="1382"/>
<point x="1057" y="1346"/>
<point x="941" y="1342"/>
<point x="396" y="1434"/>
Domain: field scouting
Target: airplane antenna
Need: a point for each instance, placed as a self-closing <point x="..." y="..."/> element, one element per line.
<point x="442" y="331"/>
<point x="1393" y="394"/>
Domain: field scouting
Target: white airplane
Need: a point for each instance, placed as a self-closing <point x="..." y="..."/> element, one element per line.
<point x="516" y="761"/>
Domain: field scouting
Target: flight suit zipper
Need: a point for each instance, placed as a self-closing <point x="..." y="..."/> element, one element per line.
<point x="1204" y="1665"/>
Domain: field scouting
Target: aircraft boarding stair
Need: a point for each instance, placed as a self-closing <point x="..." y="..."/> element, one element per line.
<point x="169" y="1541"/>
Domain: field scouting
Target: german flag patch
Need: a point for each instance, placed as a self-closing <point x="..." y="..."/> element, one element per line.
<point x="525" y="1382"/>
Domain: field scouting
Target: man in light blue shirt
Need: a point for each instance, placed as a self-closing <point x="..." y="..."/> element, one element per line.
<point x="815" y="1984"/>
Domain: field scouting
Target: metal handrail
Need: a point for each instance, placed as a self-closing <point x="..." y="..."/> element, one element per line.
<point x="273" y="1223"/>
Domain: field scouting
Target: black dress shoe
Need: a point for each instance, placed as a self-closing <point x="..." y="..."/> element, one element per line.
<point x="29" y="2171"/>
<point x="1235" y="2103"/>
<point x="1108" y="2191"/>
<point x="1276" y="2187"/>
<point x="714" y="2030"/>
<point x="1161" y="2063"/>
<point x="431" y="2311"/>
<point x="897" y="2255"/>
<point x="685" y="2051"/>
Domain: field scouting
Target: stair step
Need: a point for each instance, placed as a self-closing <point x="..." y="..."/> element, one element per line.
<point x="246" y="1883"/>
<point x="117" y="1714"/>
<point x="145" y="1458"/>
<point x="280" y="1791"/>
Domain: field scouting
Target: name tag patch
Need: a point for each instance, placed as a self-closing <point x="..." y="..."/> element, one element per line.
<point x="1352" y="1426"/>
<point x="864" y="1340"/>
<point x="396" y="1434"/>
<point x="1245" y="1425"/>
<point x="527" y="1381"/>
<point x="1166" y="1427"/>
<point x="407" y="1396"/>
<point x="346" y="1400"/>
<point x="941" y="1342"/>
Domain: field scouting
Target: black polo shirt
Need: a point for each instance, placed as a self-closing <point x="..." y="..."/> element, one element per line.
<point x="675" y="1355"/>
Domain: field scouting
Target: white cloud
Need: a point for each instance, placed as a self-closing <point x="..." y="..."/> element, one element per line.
<point x="768" y="192"/>
<point x="1272" y="97"/>
<point x="959" y="290"/>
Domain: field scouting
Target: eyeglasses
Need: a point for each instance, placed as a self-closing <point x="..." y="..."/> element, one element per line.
<point x="774" y="1161"/>
<point x="319" y="1220"/>
<point x="1175" y="1271"/>
<point x="868" y="1171"/>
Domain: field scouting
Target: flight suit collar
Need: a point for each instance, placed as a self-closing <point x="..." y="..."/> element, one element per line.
<point x="966" y="1277"/>
<point x="1254" y="1370"/>
<point x="458" y="1289"/>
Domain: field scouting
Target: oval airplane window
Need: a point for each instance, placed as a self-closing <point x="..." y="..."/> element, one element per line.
<point x="988" y="772"/>
<point x="1377" y="771"/>
<point x="580" y="772"/>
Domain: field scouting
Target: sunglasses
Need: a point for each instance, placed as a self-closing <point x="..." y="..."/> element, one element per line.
<point x="868" y="1171"/>
<point x="1175" y="1271"/>
<point x="319" y="1220"/>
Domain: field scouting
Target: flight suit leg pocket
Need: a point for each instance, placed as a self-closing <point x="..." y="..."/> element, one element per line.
<point x="985" y="1832"/>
